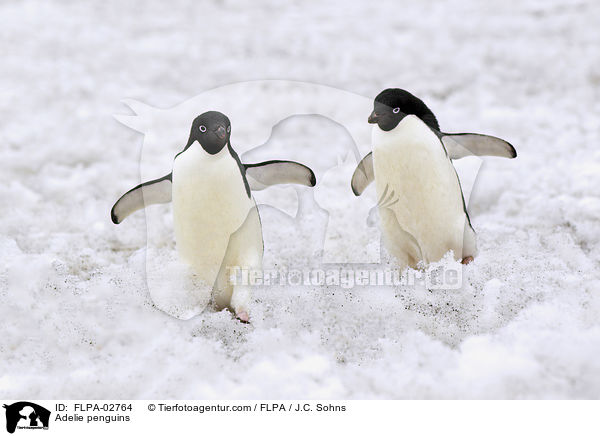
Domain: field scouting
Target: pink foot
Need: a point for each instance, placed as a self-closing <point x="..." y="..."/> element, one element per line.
<point x="467" y="260"/>
<point x="243" y="316"/>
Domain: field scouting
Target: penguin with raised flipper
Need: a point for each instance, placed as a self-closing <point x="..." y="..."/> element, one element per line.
<point x="411" y="157"/>
<point x="215" y="217"/>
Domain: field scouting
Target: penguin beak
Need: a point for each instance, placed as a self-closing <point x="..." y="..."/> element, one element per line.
<point x="220" y="132"/>
<point x="372" y="118"/>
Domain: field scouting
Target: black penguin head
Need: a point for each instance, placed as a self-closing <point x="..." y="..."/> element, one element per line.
<point x="212" y="131"/>
<point x="393" y="104"/>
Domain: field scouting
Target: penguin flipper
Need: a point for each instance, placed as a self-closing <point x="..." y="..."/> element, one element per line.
<point x="363" y="175"/>
<point x="152" y="192"/>
<point x="278" y="172"/>
<point x="459" y="145"/>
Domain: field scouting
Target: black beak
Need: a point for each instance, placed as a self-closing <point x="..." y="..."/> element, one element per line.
<point x="372" y="118"/>
<point x="220" y="132"/>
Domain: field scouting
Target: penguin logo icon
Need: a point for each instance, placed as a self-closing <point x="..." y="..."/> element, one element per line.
<point x="26" y="415"/>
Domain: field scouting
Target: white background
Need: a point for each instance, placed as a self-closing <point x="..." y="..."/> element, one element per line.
<point x="75" y="314"/>
<point x="411" y="417"/>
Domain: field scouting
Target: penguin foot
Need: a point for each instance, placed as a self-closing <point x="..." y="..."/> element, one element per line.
<point x="243" y="317"/>
<point x="467" y="260"/>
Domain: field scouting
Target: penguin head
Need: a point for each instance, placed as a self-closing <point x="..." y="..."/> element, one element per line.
<point x="212" y="131"/>
<point x="393" y="104"/>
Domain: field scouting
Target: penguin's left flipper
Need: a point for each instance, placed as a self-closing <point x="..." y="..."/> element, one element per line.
<point x="363" y="175"/>
<point x="278" y="172"/>
<point x="152" y="192"/>
<point x="459" y="145"/>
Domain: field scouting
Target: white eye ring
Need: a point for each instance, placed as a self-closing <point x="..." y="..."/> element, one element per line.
<point x="202" y="129"/>
<point x="396" y="110"/>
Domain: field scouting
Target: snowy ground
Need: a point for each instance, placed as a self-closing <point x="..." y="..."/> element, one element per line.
<point x="76" y="315"/>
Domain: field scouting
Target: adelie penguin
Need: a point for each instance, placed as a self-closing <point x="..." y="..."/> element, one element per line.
<point x="215" y="217"/>
<point x="424" y="215"/>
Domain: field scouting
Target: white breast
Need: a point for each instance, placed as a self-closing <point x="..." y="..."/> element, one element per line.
<point x="209" y="204"/>
<point x="412" y="163"/>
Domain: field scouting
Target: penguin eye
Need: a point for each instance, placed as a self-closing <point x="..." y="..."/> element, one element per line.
<point x="228" y="129"/>
<point x="202" y="129"/>
<point x="396" y="110"/>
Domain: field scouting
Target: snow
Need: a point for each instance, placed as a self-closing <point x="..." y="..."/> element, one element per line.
<point x="77" y="315"/>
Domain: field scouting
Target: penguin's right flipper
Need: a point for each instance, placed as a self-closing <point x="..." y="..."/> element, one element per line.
<point x="278" y="172"/>
<point x="363" y="175"/>
<point x="152" y="192"/>
<point x="459" y="145"/>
